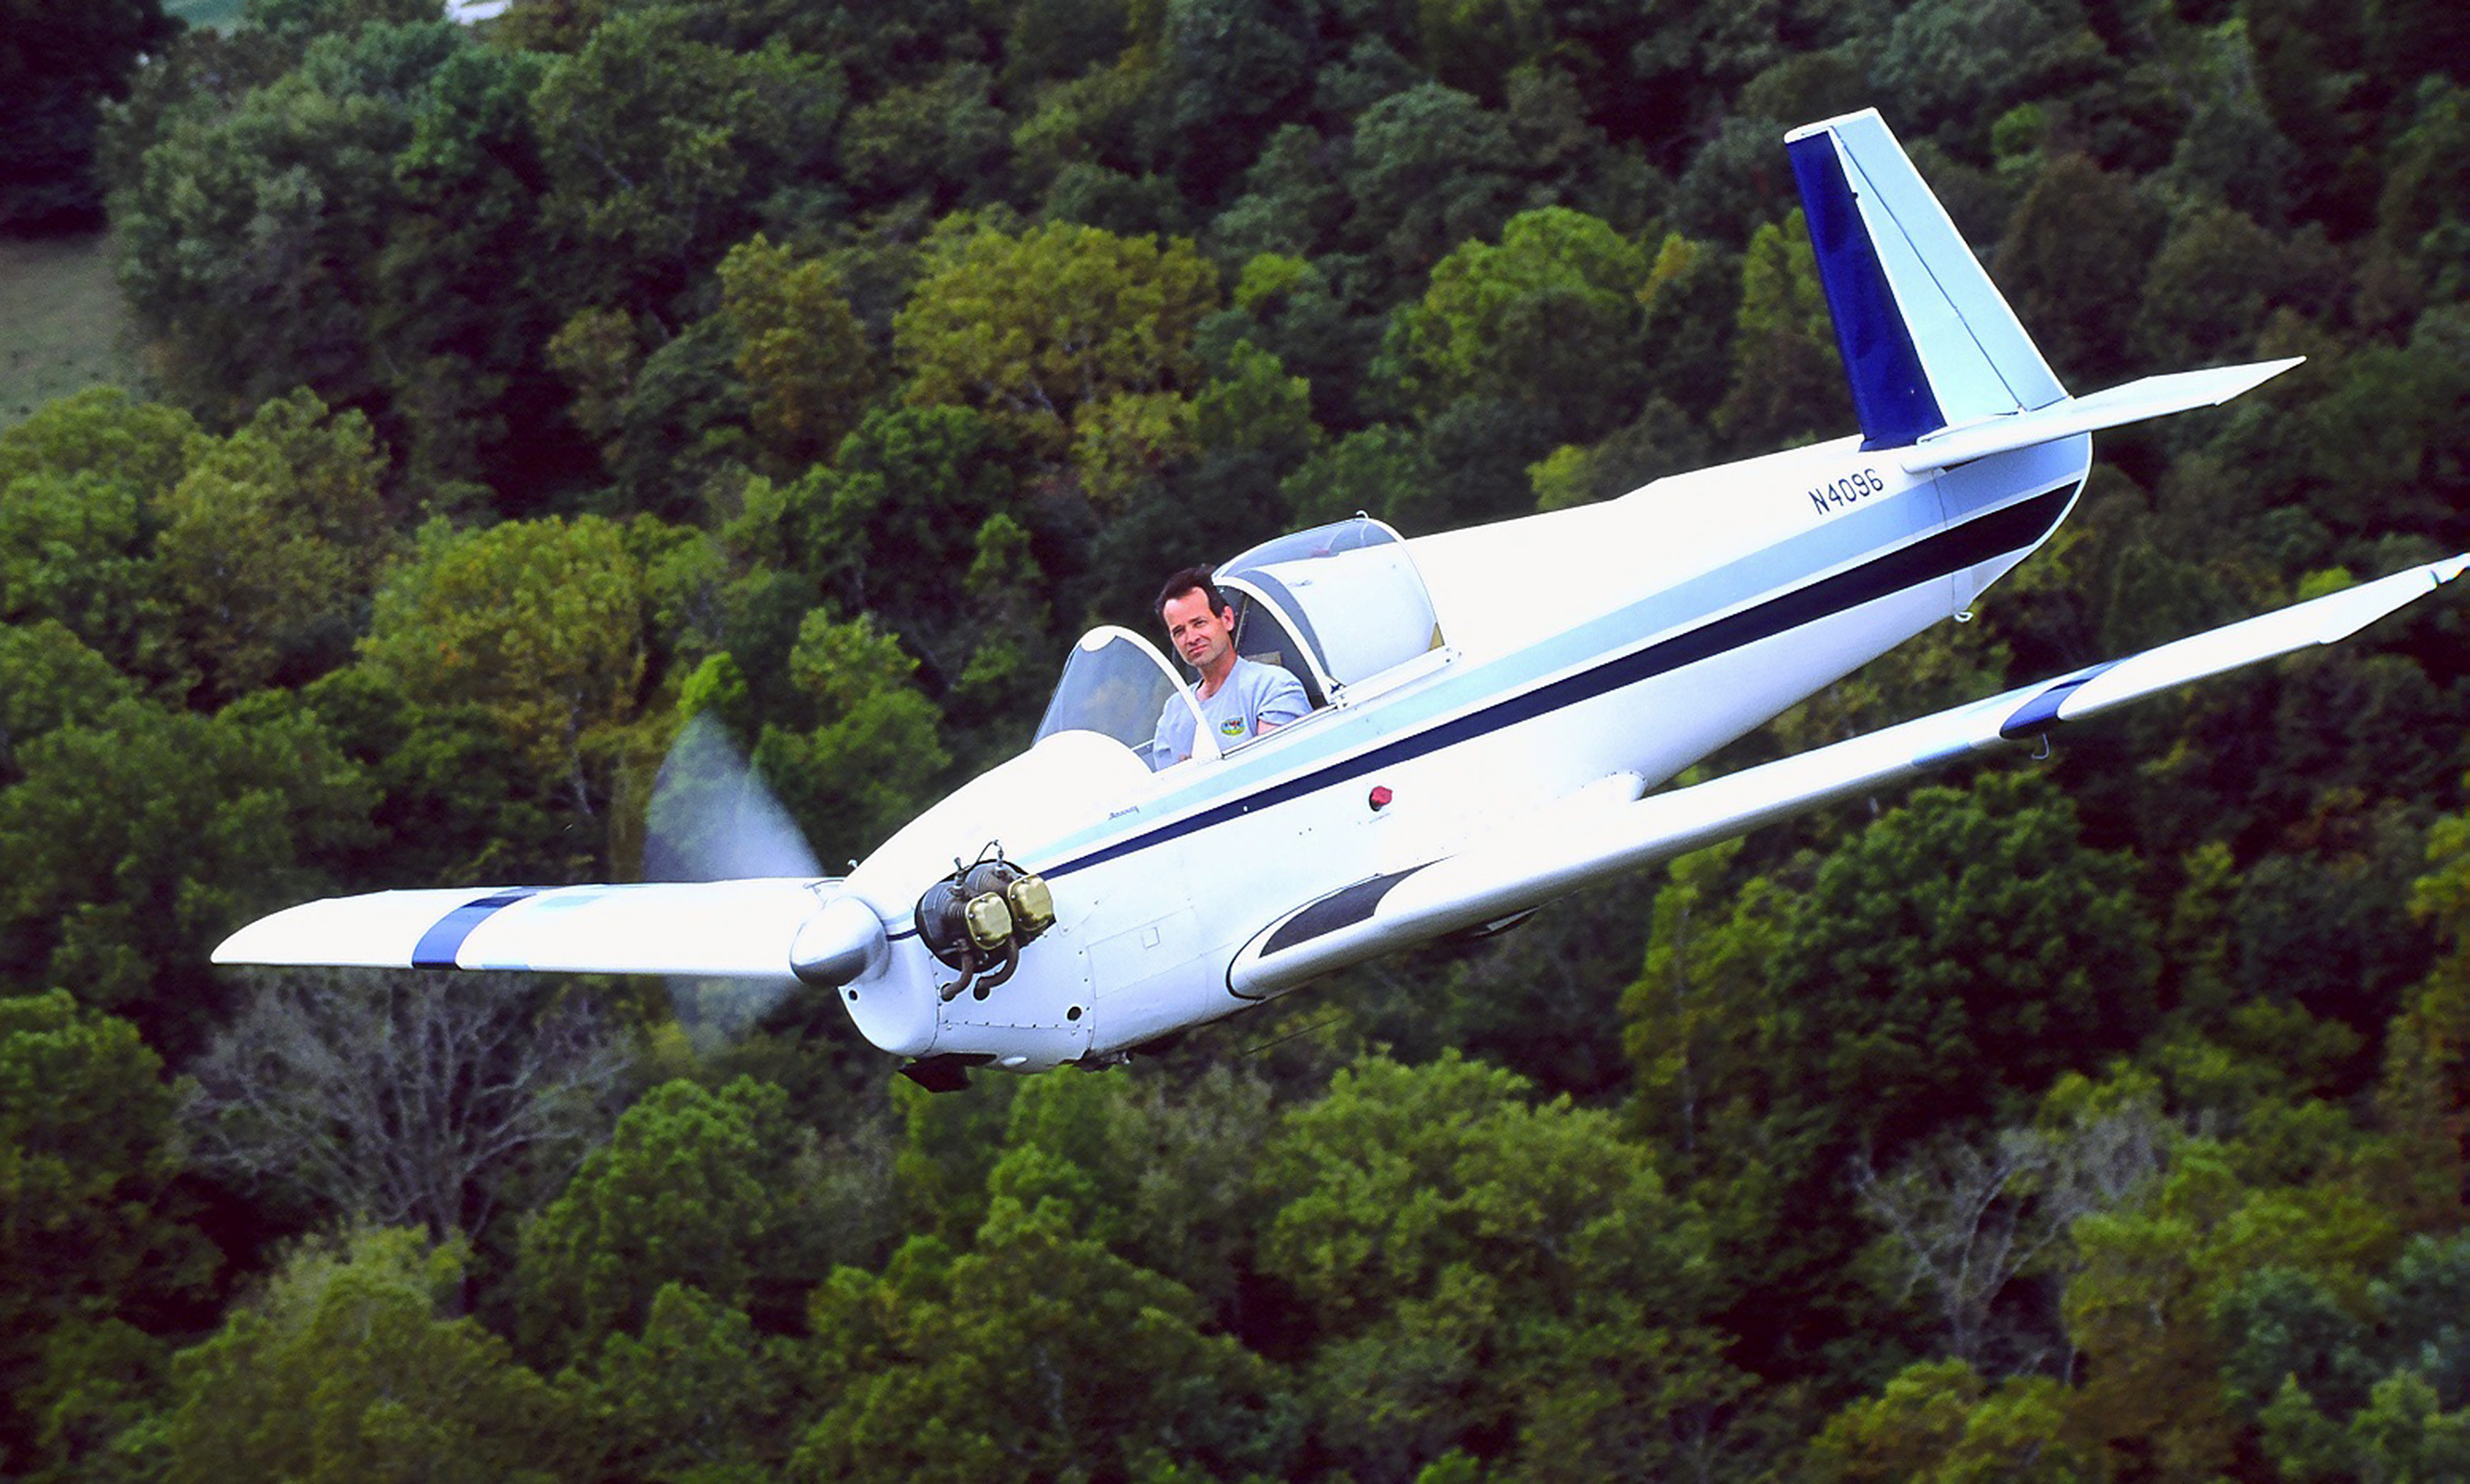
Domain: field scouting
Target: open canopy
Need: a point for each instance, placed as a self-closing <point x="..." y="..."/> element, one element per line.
<point x="1337" y="605"/>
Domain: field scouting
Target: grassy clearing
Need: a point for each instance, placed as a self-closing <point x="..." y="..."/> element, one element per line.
<point x="62" y="324"/>
<point x="220" y="15"/>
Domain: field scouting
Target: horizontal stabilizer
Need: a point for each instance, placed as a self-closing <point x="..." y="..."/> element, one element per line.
<point x="718" y="929"/>
<point x="1521" y="871"/>
<point x="2155" y="396"/>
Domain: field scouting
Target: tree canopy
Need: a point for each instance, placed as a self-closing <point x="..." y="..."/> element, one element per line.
<point x="517" y="396"/>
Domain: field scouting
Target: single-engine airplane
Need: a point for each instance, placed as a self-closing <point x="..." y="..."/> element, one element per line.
<point x="1493" y="709"/>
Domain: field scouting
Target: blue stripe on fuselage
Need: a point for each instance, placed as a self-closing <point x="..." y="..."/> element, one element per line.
<point x="1825" y="546"/>
<point x="1983" y="539"/>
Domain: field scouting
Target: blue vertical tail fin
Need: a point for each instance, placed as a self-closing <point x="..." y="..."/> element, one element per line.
<point x="1928" y="343"/>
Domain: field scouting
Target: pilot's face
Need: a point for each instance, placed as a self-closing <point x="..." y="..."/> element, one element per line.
<point x="1201" y="637"/>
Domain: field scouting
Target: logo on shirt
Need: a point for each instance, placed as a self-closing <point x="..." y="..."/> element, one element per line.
<point x="1231" y="726"/>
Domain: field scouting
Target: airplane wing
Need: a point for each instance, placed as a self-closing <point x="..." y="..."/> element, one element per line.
<point x="1516" y="870"/>
<point x="718" y="929"/>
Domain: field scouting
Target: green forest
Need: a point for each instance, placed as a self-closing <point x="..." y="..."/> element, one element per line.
<point x="515" y="392"/>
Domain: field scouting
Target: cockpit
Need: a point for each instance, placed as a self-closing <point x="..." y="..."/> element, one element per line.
<point x="1340" y="606"/>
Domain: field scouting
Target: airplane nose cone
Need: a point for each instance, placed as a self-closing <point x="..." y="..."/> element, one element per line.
<point x="890" y="998"/>
<point x="838" y="945"/>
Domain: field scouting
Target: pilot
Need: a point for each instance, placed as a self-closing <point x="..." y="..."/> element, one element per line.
<point x="1238" y="698"/>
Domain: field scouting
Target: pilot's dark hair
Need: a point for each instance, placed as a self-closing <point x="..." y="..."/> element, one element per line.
<point x="1187" y="579"/>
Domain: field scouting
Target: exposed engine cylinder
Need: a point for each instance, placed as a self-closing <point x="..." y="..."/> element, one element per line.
<point x="977" y="919"/>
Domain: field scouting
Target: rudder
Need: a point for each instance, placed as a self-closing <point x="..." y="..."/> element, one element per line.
<point x="1928" y="341"/>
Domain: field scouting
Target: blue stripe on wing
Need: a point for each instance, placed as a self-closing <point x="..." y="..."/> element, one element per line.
<point x="439" y="946"/>
<point x="2041" y="712"/>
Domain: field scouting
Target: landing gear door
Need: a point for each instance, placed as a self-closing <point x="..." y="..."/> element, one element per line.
<point x="1117" y="685"/>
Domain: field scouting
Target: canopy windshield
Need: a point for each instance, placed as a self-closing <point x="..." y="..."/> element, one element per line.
<point x="1350" y="594"/>
<point x="1117" y="685"/>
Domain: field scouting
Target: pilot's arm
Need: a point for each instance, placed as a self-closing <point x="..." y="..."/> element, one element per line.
<point x="1281" y="701"/>
<point x="1171" y="742"/>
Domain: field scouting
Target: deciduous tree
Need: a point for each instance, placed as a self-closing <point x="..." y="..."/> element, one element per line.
<point x="249" y="237"/>
<point x="137" y="840"/>
<point x="698" y="1394"/>
<point x="1037" y="1352"/>
<point x="2141" y="1308"/>
<point x="1165" y="1171"/>
<point x="864" y="763"/>
<point x="271" y="543"/>
<point x="1787" y="381"/>
<point x="943" y="140"/>
<point x="1550" y="315"/>
<point x="92" y="1228"/>
<point x="1965" y="1220"/>
<point x="808" y="364"/>
<point x="396" y="1098"/>
<point x="1429" y="168"/>
<point x="1032" y="328"/>
<point x="1231" y="69"/>
<point x="707" y="1188"/>
<point x="658" y="145"/>
<point x="2079" y="234"/>
<point x="1955" y="68"/>
<point x="79" y="483"/>
<point x="1939" y="1421"/>
<point x="1469" y="1262"/>
<point x="539" y="624"/>
<point x="353" y="1365"/>
<point x="49" y="680"/>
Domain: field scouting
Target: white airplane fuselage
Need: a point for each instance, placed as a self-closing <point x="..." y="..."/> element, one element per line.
<point x="1586" y="655"/>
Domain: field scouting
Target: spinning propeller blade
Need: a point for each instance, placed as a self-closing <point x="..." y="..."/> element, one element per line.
<point x="712" y="820"/>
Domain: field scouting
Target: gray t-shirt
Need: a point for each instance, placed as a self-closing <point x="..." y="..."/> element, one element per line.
<point x="1254" y="693"/>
